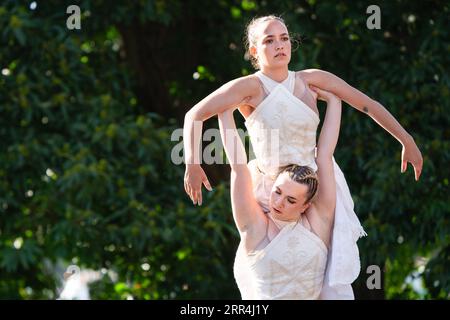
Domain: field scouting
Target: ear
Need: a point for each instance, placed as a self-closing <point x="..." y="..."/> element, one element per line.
<point x="252" y="51"/>
<point x="306" y="206"/>
<point x="67" y="275"/>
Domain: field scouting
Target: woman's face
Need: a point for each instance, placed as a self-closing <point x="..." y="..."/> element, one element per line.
<point x="287" y="198"/>
<point x="273" y="47"/>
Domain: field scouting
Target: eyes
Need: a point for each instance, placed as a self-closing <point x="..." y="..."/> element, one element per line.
<point x="269" y="41"/>
<point x="277" y="191"/>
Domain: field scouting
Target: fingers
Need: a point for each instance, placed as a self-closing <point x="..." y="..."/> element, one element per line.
<point x="417" y="168"/>
<point x="404" y="165"/>
<point x="417" y="174"/>
<point x="207" y="184"/>
<point x="189" y="192"/>
<point x="186" y="188"/>
<point x="417" y="171"/>
<point x="316" y="89"/>
<point x="314" y="93"/>
<point x="199" y="197"/>
<point x="322" y="94"/>
<point x="195" y="195"/>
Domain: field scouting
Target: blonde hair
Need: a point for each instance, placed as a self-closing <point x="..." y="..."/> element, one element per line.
<point x="251" y="38"/>
<point x="303" y="175"/>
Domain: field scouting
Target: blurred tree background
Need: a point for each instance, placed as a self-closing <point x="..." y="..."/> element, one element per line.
<point x="87" y="118"/>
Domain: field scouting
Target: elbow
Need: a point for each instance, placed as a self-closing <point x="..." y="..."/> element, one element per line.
<point x="196" y="114"/>
<point x="188" y="120"/>
<point x="190" y="115"/>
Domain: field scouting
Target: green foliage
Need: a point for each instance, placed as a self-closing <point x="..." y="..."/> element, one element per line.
<point x="85" y="169"/>
<point x="87" y="177"/>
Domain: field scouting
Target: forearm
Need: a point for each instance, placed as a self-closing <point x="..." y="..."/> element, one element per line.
<point x="359" y="101"/>
<point x="234" y="148"/>
<point x="385" y="119"/>
<point x="193" y="127"/>
<point x="192" y="132"/>
<point x="330" y="130"/>
<point x="372" y="108"/>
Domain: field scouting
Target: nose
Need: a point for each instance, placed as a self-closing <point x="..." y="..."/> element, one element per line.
<point x="279" y="203"/>
<point x="279" y="45"/>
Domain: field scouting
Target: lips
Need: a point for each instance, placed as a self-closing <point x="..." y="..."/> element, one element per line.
<point x="277" y="211"/>
<point x="280" y="54"/>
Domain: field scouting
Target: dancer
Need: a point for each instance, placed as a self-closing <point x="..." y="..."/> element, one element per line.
<point x="276" y="98"/>
<point x="286" y="250"/>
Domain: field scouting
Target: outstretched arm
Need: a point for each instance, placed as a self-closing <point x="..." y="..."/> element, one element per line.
<point x="329" y="82"/>
<point x="325" y="200"/>
<point x="247" y="214"/>
<point x="227" y="96"/>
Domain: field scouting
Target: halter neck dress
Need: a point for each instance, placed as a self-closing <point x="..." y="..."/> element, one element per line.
<point x="282" y="131"/>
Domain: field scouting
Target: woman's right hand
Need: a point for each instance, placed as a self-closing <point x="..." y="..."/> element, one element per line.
<point x="194" y="177"/>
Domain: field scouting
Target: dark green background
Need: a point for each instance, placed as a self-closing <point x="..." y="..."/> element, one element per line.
<point x="86" y="118"/>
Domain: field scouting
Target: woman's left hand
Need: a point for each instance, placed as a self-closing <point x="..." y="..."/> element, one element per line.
<point x="323" y="94"/>
<point x="411" y="154"/>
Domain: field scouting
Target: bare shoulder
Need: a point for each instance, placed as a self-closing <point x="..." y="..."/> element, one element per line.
<point x="248" y="83"/>
<point x="252" y="85"/>
<point x="322" y="79"/>
<point x="309" y="71"/>
<point x="308" y="74"/>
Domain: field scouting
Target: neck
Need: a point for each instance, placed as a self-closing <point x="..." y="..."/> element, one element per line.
<point x="281" y="223"/>
<point x="277" y="74"/>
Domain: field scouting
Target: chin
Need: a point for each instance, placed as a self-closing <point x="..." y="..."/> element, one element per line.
<point x="281" y="62"/>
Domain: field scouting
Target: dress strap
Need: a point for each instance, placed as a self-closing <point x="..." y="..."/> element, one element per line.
<point x="270" y="84"/>
<point x="267" y="82"/>
<point x="291" y="83"/>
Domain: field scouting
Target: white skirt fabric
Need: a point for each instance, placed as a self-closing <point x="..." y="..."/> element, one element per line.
<point x="343" y="264"/>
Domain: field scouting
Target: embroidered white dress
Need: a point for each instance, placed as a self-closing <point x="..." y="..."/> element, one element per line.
<point x="283" y="131"/>
<point x="291" y="266"/>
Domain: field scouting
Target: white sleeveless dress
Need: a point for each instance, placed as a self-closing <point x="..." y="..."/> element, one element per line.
<point x="282" y="131"/>
<point x="292" y="266"/>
